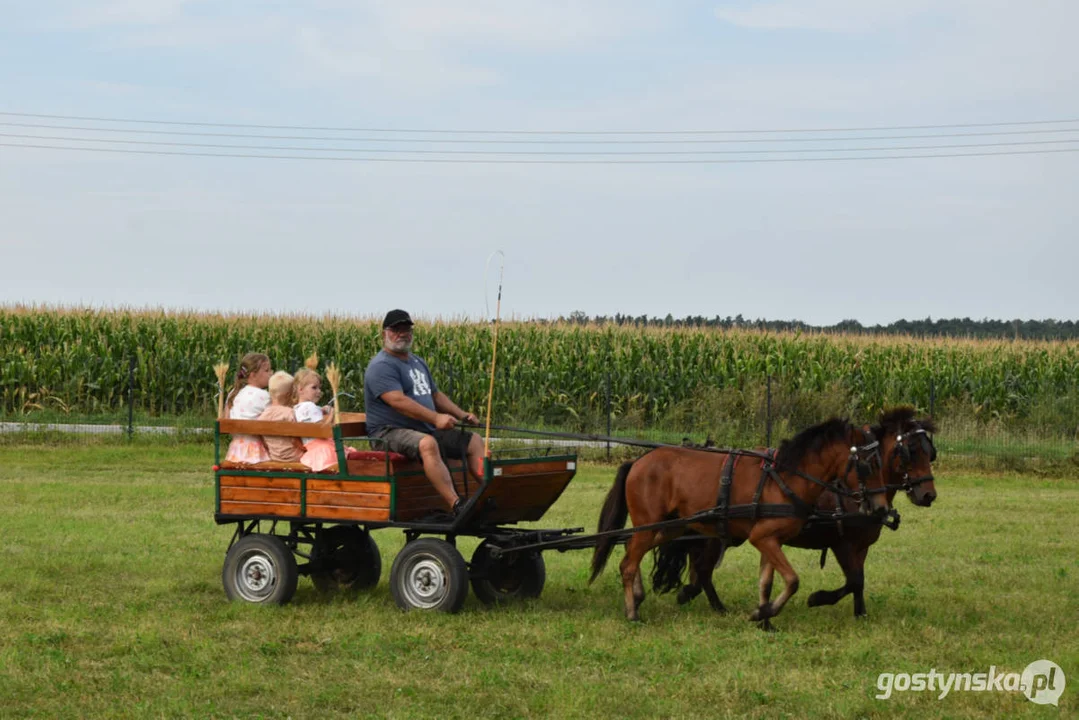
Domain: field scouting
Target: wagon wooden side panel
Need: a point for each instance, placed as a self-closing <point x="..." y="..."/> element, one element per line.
<point x="416" y="497"/>
<point x="522" y="491"/>
<point x="253" y="495"/>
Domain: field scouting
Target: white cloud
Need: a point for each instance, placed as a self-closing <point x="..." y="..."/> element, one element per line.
<point x="517" y="25"/>
<point x="828" y="15"/>
<point x="333" y="58"/>
<point x="126" y="12"/>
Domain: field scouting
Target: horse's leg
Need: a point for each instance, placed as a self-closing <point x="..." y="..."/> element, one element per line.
<point x="772" y="556"/>
<point x="638" y="544"/>
<point x="856" y="581"/>
<point x="844" y="554"/>
<point x="703" y="559"/>
<point x="693" y="588"/>
<point x="709" y="560"/>
<point x="764" y="585"/>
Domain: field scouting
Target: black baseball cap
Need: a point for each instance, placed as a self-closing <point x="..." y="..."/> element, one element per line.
<point x="396" y="317"/>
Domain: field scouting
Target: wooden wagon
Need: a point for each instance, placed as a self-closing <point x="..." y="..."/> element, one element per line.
<point x="284" y="511"/>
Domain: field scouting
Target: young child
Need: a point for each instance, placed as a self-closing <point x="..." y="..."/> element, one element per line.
<point x="320" y="453"/>
<point x="282" y="449"/>
<point x="307" y="389"/>
<point x="246" y="402"/>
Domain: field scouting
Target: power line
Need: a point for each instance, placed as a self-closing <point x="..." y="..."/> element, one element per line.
<point x="535" y="132"/>
<point x="503" y="161"/>
<point x="293" y="148"/>
<point x="487" y="141"/>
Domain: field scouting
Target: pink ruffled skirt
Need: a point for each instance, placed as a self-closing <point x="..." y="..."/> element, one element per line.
<point x="247" y="449"/>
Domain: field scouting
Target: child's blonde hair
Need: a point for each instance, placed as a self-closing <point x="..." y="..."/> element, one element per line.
<point x="281" y="385"/>
<point x="303" y="377"/>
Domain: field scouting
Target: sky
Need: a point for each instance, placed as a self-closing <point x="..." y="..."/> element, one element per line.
<point x="870" y="240"/>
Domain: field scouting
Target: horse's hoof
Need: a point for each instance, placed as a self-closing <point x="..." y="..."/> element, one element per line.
<point x="861" y="616"/>
<point x="766" y="626"/>
<point x="686" y="594"/>
<point x="818" y="598"/>
<point x="721" y="610"/>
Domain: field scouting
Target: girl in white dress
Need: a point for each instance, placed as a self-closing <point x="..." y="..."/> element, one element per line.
<point x="247" y="401"/>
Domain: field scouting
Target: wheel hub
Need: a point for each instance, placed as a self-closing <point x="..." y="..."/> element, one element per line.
<point x="425" y="583"/>
<point x="256" y="577"/>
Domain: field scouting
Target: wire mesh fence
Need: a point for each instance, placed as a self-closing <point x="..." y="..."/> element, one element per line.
<point x="730" y="414"/>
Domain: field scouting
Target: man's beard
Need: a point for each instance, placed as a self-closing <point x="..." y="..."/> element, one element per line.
<point x="400" y="346"/>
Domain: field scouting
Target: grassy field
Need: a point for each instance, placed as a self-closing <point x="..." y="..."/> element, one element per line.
<point x="111" y="606"/>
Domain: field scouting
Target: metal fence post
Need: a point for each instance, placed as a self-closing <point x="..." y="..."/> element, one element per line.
<point x="768" y="415"/>
<point x="608" y="413"/>
<point x="131" y="397"/>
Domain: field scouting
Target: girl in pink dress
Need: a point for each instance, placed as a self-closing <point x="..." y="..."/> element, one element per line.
<point x="247" y="401"/>
<point x="320" y="453"/>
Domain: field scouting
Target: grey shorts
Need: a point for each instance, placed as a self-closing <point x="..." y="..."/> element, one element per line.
<point x="451" y="443"/>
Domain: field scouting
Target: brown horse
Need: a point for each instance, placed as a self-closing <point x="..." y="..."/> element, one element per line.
<point x="766" y="502"/>
<point x="907" y="446"/>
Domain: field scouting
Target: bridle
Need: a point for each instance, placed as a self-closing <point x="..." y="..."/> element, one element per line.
<point x="864" y="459"/>
<point x="902" y="450"/>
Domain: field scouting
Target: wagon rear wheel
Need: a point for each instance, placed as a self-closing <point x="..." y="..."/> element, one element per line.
<point x="345" y="558"/>
<point x="429" y="574"/>
<point x="260" y="569"/>
<point x="509" y="577"/>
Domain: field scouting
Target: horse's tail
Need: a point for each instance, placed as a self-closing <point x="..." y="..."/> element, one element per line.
<point x="670" y="562"/>
<point x="611" y="517"/>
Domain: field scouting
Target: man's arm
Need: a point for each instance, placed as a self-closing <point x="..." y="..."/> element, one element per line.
<point x="410" y="408"/>
<point x="444" y="404"/>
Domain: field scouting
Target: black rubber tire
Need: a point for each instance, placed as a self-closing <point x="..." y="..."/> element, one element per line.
<point x="511" y="577"/>
<point x="349" y="560"/>
<point x="260" y="569"/>
<point x="429" y="574"/>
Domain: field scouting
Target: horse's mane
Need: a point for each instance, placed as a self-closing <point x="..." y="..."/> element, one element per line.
<point x="894" y="420"/>
<point x="812" y="439"/>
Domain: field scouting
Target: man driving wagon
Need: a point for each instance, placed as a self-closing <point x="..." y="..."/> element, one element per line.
<point x="409" y="414"/>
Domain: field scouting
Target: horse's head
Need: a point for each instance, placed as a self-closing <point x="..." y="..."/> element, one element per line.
<point x="843" y="456"/>
<point x="863" y="473"/>
<point x="908" y="452"/>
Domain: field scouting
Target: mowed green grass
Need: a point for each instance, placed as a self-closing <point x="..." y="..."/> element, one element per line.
<point x="111" y="606"/>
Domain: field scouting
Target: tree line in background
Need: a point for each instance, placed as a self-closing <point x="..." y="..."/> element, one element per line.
<point x="951" y="327"/>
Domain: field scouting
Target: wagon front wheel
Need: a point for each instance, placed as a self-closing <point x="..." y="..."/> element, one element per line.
<point x="260" y="569"/>
<point x="345" y="558"/>
<point x="429" y="574"/>
<point x="509" y="577"/>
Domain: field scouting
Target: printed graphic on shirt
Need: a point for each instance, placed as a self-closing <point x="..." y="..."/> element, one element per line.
<point x="420" y="386"/>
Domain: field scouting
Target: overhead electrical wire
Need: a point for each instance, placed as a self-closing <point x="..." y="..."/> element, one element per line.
<point x="293" y="148"/>
<point x="1013" y="123"/>
<point x="545" y="161"/>
<point x="543" y="147"/>
<point x="488" y="141"/>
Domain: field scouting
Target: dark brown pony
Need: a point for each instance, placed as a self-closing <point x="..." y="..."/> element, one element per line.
<point x="670" y="483"/>
<point x="908" y="452"/>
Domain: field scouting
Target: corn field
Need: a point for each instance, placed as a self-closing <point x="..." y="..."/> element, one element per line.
<point x="76" y="362"/>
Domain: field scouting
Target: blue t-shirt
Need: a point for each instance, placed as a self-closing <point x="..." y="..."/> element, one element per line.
<point x="386" y="373"/>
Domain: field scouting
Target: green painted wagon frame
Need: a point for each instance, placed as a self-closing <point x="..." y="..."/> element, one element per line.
<point x="284" y="511"/>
